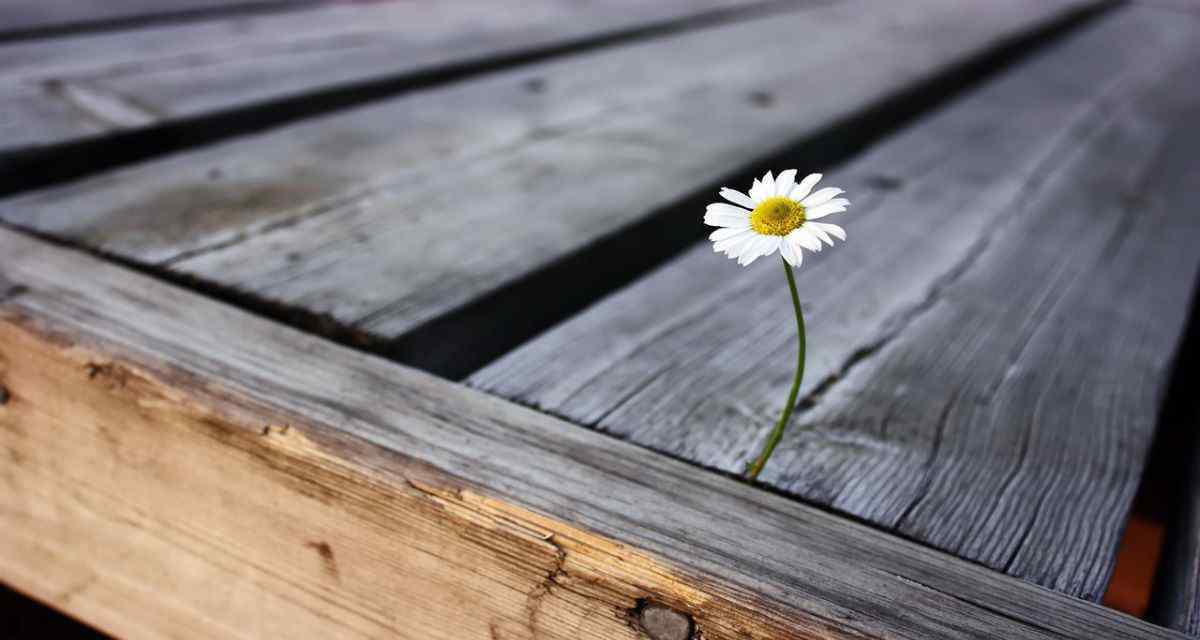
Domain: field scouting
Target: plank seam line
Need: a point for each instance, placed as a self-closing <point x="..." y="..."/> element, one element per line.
<point x="830" y="146"/>
<point x="29" y="168"/>
<point x="1089" y="120"/>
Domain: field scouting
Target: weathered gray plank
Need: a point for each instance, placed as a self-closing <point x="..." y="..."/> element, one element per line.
<point x="24" y="16"/>
<point x="130" y="79"/>
<point x="339" y="454"/>
<point x="986" y="351"/>
<point x="387" y="216"/>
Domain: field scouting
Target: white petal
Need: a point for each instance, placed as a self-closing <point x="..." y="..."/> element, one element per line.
<point x="785" y="181"/>
<point x="737" y="197"/>
<point x="763" y="245"/>
<point x="831" y="229"/>
<point x="795" y="249"/>
<point x="821" y="197"/>
<point x="789" y="253"/>
<point x="734" y="246"/>
<point x="719" y="214"/>
<point x="820" y="211"/>
<point x="731" y="242"/>
<point x="801" y="191"/>
<point x="746" y="250"/>
<point x="768" y="183"/>
<point x="771" y="245"/>
<point x="735" y="252"/>
<point x="732" y="238"/>
<point x="815" y="229"/>
<point x="723" y="233"/>
<point x="757" y="193"/>
<point x="805" y="239"/>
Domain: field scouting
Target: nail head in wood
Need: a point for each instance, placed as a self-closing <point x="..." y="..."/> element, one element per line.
<point x="663" y="623"/>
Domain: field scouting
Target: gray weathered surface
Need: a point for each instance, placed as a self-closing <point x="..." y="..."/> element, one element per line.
<point x="67" y="88"/>
<point x="26" y="15"/>
<point x="782" y="565"/>
<point x="386" y="216"/>
<point x="986" y="352"/>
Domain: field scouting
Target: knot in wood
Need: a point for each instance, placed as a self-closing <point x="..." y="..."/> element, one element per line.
<point x="4" y="395"/>
<point x="664" y="623"/>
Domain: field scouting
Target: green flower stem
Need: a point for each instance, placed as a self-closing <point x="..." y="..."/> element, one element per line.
<point x="756" y="467"/>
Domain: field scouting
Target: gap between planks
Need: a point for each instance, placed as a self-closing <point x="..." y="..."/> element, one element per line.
<point x="458" y="318"/>
<point x="144" y="130"/>
<point x="883" y="434"/>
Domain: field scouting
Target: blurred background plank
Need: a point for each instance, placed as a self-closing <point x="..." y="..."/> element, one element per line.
<point x="66" y="89"/>
<point x="376" y="220"/>
<point x="988" y="350"/>
<point x="27" y="18"/>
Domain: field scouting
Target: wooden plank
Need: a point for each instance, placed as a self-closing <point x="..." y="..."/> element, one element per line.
<point x="132" y="79"/>
<point x="986" y="353"/>
<point x="158" y="444"/>
<point x="370" y="219"/>
<point x="1176" y="601"/>
<point x="28" y="17"/>
<point x="1174" y="483"/>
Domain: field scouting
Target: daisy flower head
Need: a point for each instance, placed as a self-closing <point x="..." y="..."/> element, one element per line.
<point x="778" y="214"/>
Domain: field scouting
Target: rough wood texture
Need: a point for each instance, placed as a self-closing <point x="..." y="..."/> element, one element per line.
<point x="158" y="444"/>
<point x="986" y="353"/>
<point x="67" y="88"/>
<point x="387" y="216"/>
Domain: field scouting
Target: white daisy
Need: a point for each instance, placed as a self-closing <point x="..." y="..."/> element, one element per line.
<point x="778" y="214"/>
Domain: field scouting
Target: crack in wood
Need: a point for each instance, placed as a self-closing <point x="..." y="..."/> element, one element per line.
<point x="1088" y="123"/>
<point x="554" y="575"/>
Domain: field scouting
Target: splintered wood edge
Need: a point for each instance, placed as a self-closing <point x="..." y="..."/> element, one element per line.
<point x="116" y="477"/>
<point x="151" y="492"/>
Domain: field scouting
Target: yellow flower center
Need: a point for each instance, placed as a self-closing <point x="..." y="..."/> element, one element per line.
<point x="777" y="216"/>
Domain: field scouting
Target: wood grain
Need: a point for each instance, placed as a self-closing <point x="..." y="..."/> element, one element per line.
<point x="158" y="444"/>
<point x="986" y="353"/>
<point x="382" y="218"/>
<point x="66" y="89"/>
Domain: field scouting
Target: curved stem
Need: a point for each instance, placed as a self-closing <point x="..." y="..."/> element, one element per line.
<point x="756" y="467"/>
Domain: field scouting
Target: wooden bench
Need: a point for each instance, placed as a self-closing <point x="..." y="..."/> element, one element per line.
<point x="988" y="351"/>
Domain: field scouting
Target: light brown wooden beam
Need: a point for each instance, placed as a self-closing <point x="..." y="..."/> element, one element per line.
<point x="176" y="466"/>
